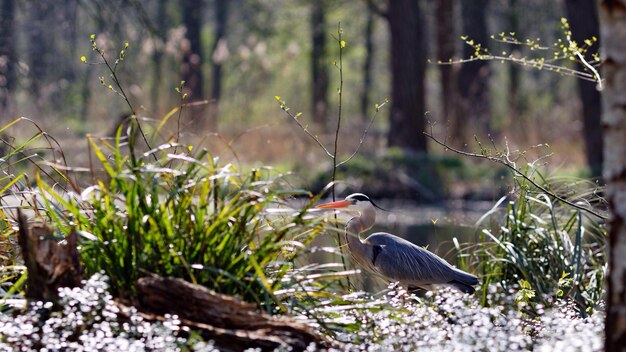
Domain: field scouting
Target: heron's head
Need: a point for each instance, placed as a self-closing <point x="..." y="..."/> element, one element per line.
<point x="361" y="206"/>
<point x="355" y="201"/>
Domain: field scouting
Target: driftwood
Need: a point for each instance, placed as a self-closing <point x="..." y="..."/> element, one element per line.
<point x="51" y="263"/>
<point x="232" y="324"/>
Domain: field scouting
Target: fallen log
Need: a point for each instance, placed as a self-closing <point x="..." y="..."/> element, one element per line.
<point x="230" y="323"/>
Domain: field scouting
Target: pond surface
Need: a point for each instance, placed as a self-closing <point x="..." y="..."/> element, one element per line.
<point x="431" y="224"/>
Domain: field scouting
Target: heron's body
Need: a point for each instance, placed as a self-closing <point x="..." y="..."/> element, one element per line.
<point x="395" y="258"/>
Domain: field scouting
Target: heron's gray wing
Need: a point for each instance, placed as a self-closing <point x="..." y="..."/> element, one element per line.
<point x="403" y="261"/>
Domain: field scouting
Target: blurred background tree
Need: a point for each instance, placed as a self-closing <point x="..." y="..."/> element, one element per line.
<point x="319" y="63"/>
<point x="193" y="60"/>
<point x="7" y="53"/>
<point x="583" y="17"/>
<point x="473" y="103"/>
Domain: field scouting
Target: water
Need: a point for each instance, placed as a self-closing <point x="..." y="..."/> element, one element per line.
<point x="436" y="227"/>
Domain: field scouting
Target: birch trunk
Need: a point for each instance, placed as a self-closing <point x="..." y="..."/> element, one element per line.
<point x="613" y="33"/>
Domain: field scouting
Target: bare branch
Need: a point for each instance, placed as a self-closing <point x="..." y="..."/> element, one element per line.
<point x="560" y="53"/>
<point x="530" y="63"/>
<point x="511" y="165"/>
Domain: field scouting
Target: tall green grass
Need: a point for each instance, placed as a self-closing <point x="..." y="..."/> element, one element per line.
<point x="174" y="212"/>
<point x="27" y="151"/>
<point x="543" y="250"/>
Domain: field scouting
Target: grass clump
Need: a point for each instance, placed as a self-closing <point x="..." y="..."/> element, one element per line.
<point x="545" y="251"/>
<point x="181" y="214"/>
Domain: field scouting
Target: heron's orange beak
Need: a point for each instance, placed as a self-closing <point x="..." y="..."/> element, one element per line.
<point x="334" y="205"/>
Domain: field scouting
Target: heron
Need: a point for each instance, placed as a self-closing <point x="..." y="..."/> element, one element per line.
<point x="393" y="257"/>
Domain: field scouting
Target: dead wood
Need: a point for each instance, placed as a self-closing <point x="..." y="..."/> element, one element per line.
<point x="232" y="324"/>
<point x="51" y="263"/>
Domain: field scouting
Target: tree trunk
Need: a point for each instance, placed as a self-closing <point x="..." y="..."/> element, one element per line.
<point x="70" y="12"/>
<point x="319" y="66"/>
<point x="473" y="78"/>
<point x="192" y="60"/>
<point x="7" y="53"/>
<point x="583" y="18"/>
<point x="159" y="39"/>
<point x="445" y="51"/>
<point x="220" y="53"/>
<point x="515" y="106"/>
<point x="408" y="66"/>
<point x="613" y="31"/>
<point x="367" y="65"/>
<point x="40" y="48"/>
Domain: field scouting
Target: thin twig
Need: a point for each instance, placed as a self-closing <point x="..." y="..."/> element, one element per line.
<point x="340" y="67"/>
<point x="305" y="129"/>
<point x="130" y="106"/>
<point x="121" y="91"/>
<point x="582" y="59"/>
<point x="364" y="134"/>
<point x="517" y="172"/>
<point x="483" y="54"/>
<point x="333" y="155"/>
<point x="284" y="107"/>
<point x="183" y="96"/>
<point x="341" y="44"/>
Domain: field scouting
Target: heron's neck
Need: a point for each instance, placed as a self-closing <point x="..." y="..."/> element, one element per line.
<point x="359" y="250"/>
<point x="363" y="222"/>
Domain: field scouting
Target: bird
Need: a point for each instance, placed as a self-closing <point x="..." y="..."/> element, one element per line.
<point x="395" y="258"/>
